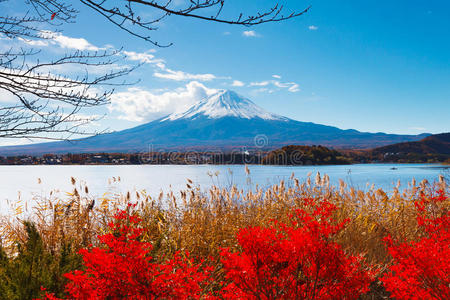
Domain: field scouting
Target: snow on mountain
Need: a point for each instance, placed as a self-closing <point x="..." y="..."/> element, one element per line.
<point x="225" y="103"/>
<point x="225" y="121"/>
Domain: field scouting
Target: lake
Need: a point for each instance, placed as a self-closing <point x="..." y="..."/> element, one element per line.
<point x="28" y="181"/>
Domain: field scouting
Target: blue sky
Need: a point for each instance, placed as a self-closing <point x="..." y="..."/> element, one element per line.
<point x="368" y="65"/>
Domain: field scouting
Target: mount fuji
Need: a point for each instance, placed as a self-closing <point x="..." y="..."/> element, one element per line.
<point x="223" y="121"/>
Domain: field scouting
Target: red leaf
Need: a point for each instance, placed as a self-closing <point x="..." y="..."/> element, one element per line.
<point x="53" y="16"/>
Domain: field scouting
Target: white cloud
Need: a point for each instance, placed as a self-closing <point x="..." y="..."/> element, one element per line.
<point x="74" y="43"/>
<point x="290" y="86"/>
<point x="148" y="57"/>
<point x="227" y="33"/>
<point x="182" y="76"/>
<point x="143" y="57"/>
<point x="280" y="84"/>
<point x="250" y="33"/>
<point x="237" y="83"/>
<point x="262" y="83"/>
<point x="312" y="27"/>
<point x="276" y="76"/>
<point x="164" y="71"/>
<point x="137" y="104"/>
<point x="294" y="88"/>
<point x="65" y="42"/>
<point x="38" y="43"/>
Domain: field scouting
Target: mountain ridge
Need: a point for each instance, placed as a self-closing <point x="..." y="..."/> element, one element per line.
<point x="433" y="144"/>
<point x="222" y="104"/>
<point x="224" y="121"/>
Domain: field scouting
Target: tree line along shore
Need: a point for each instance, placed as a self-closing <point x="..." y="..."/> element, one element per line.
<point x="288" y="155"/>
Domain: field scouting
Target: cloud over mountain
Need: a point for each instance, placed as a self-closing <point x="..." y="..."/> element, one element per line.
<point x="138" y="104"/>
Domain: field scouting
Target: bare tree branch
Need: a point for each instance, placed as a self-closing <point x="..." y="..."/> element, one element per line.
<point x="49" y="103"/>
<point x="46" y="99"/>
<point x="124" y="14"/>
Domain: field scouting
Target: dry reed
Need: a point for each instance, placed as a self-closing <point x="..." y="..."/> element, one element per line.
<point x="203" y="222"/>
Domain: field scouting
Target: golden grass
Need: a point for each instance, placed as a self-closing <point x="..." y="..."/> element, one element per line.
<point x="203" y="222"/>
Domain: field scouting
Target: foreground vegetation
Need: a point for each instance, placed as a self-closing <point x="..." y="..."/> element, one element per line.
<point x="303" y="240"/>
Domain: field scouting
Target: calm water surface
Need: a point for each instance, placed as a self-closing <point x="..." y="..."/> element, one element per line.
<point x="28" y="181"/>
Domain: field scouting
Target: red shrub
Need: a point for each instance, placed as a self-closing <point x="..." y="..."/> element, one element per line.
<point x="295" y="261"/>
<point x="123" y="268"/>
<point x="421" y="269"/>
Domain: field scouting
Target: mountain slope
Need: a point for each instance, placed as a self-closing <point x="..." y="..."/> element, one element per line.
<point x="225" y="104"/>
<point x="433" y="144"/>
<point x="224" y="121"/>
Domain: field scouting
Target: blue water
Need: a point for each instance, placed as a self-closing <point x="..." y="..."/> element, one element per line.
<point x="30" y="181"/>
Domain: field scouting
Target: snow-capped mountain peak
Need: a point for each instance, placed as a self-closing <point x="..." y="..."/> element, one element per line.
<point x="225" y="103"/>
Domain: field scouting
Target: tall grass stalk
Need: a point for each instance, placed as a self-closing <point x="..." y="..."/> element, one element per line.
<point x="203" y="222"/>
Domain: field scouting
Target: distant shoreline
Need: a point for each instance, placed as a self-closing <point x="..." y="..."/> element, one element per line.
<point x="293" y="155"/>
<point x="443" y="164"/>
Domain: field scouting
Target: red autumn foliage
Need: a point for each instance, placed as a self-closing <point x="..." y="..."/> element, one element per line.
<point x="124" y="269"/>
<point x="294" y="261"/>
<point x="421" y="269"/>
